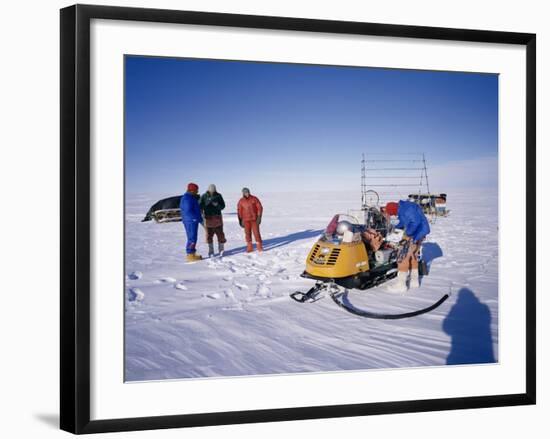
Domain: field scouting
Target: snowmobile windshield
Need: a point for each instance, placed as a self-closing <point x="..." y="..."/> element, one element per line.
<point x="343" y="228"/>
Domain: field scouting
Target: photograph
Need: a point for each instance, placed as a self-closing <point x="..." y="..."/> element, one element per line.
<point x="285" y="218"/>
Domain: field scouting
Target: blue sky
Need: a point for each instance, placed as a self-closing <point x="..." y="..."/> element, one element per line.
<point x="283" y="127"/>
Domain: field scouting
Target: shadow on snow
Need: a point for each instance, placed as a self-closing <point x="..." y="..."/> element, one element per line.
<point x="279" y="241"/>
<point x="469" y="326"/>
<point x="431" y="251"/>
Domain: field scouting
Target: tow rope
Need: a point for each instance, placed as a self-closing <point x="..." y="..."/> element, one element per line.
<point x="339" y="298"/>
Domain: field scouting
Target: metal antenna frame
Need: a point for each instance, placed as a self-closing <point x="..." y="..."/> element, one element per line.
<point x="376" y="174"/>
<point x="363" y="183"/>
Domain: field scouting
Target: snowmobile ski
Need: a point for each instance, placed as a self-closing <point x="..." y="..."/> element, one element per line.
<point x="314" y="293"/>
<point x="310" y="296"/>
<point x="338" y="299"/>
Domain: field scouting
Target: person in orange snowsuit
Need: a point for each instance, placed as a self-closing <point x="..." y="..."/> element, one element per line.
<point x="250" y="212"/>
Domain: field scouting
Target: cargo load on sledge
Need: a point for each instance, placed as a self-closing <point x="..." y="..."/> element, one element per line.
<point x="165" y="210"/>
<point x="431" y="204"/>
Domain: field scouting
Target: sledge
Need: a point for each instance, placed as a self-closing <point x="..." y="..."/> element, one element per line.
<point x="434" y="204"/>
<point x="165" y="211"/>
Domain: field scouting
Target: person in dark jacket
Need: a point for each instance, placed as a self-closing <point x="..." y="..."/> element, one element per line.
<point x="415" y="226"/>
<point x="212" y="204"/>
<point x="250" y="210"/>
<point x="191" y="218"/>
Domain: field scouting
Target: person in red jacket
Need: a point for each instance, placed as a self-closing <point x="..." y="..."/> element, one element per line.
<point x="250" y="212"/>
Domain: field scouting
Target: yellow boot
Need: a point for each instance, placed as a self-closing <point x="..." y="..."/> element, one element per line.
<point x="193" y="257"/>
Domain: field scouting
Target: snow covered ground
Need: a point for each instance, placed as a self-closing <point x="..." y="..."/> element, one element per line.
<point x="233" y="316"/>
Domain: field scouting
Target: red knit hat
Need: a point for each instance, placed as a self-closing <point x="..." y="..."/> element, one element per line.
<point x="192" y="187"/>
<point x="391" y="208"/>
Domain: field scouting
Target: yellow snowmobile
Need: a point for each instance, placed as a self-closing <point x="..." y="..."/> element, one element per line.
<point x="341" y="255"/>
<point x="343" y="258"/>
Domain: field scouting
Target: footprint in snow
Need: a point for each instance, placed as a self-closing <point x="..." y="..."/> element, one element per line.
<point x="180" y="286"/>
<point x="263" y="291"/>
<point x="135" y="295"/>
<point x="214" y="296"/>
<point x="236" y="307"/>
<point x="213" y="263"/>
<point x="135" y="275"/>
<point x="167" y="280"/>
<point x="241" y="286"/>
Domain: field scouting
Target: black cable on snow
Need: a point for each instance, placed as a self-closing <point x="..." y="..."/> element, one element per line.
<point x="375" y="315"/>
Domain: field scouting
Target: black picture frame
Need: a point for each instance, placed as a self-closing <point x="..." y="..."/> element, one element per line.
<point x="75" y="217"/>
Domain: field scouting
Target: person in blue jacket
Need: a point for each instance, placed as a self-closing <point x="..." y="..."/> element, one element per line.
<point x="415" y="226"/>
<point x="191" y="217"/>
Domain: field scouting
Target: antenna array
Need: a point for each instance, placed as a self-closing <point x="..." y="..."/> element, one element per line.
<point x="393" y="179"/>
